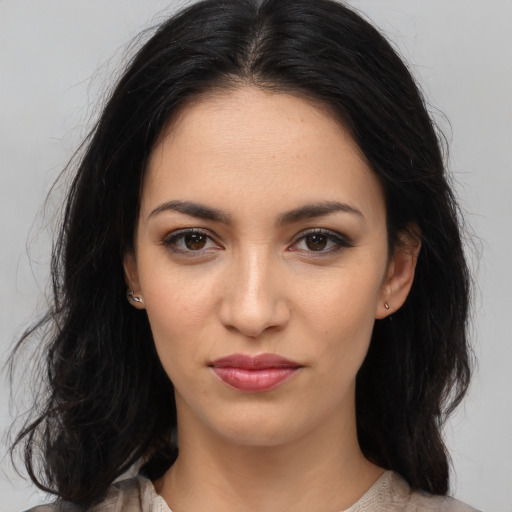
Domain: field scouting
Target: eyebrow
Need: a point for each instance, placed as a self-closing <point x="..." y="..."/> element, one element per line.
<point x="194" y="210"/>
<point x="308" y="211"/>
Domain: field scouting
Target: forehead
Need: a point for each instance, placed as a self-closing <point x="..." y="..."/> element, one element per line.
<point x="266" y="147"/>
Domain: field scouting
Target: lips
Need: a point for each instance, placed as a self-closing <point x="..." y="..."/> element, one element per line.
<point x="254" y="373"/>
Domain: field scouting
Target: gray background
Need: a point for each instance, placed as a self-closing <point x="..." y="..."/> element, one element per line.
<point x="56" y="57"/>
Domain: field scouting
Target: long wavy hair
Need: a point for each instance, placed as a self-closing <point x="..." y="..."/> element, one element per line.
<point x="109" y="405"/>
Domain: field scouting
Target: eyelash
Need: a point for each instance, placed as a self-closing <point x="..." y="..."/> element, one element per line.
<point x="172" y="238"/>
<point x="340" y="242"/>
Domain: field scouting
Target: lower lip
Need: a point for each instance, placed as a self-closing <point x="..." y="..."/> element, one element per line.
<point x="254" y="380"/>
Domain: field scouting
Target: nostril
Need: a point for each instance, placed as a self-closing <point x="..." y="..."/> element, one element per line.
<point x="252" y="322"/>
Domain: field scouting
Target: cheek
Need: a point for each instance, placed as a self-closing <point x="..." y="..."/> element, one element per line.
<point x="340" y="310"/>
<point x="343" y="297"/>
<point x="179" y="307"/>
<point x="176" y="297"/>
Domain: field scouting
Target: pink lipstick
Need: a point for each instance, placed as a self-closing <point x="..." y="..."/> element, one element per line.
<point x="254" y="373"/>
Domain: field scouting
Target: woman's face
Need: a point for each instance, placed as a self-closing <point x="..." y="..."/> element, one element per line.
<point x="261" y="255"/>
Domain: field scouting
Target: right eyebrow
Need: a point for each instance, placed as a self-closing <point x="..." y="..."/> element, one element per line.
<point x="310" y="211"/>
<point x="194" y="210"/>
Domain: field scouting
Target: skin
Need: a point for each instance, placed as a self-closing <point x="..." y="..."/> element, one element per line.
<point x="253" y="285"/>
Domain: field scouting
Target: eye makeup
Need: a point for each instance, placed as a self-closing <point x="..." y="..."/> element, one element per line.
<point x="197" y="242"/>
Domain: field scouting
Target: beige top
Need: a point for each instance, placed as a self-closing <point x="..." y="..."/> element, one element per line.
<point x="390" y="493"/>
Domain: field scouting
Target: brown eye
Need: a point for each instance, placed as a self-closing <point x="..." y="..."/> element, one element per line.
<point x="321" y="241"/>
<point x="195" y="241"/>
<point x="316" y="242"/>
<point x="190" y="242"/>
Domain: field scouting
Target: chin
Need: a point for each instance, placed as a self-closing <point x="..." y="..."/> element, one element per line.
<point x="261" y="429"/>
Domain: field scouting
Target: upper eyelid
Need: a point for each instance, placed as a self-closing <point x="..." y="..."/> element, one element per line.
<point x="208" y="232"/>
<point x="184" y="231"/>
<point x="325" y="231"/>
<point x="322" y="231"/>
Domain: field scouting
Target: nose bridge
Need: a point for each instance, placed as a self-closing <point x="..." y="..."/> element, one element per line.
<point x="253" y="301"/>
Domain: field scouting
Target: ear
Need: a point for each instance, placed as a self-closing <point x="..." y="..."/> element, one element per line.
<point x="131" y="277"/>
<point x="400" y="273"/>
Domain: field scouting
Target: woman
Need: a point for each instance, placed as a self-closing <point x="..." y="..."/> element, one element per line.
<point x="260" y="289"/>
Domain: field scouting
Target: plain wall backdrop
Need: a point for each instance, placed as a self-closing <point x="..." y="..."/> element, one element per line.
<point x="58" y="56"/>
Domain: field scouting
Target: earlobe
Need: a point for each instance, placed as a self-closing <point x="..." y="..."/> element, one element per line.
<point x="400" y="274"/>
<point x="131" y="277"/>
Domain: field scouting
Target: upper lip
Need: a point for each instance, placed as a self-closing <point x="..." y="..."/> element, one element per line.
<point x="258" y="362"/>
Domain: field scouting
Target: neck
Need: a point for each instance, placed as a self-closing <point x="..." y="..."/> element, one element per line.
<point x="322" y="470"/>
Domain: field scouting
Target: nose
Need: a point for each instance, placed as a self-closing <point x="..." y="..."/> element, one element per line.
<point x="253" y="300"/>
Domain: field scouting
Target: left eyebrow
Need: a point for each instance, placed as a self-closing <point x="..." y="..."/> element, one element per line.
<point x="192" y="209"/>
<point x="310" y="211"/>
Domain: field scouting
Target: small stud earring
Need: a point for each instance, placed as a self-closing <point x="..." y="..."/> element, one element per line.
<point x="386" y="305"/>
<point x="135" y="298"/>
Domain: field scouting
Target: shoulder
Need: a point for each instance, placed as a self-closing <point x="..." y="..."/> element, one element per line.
<point x="131" y="495"/>
<point x="412" y="501"/>
<point x="392" y="492"/>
